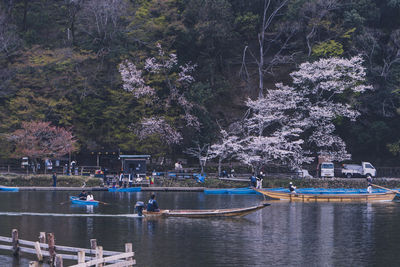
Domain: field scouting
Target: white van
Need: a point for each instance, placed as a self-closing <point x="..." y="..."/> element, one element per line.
<point x="327" y="169"/>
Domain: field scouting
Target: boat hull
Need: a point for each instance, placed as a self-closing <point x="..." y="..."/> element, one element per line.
<point x="9" y="189"/>
<point x="236" y="212"/>
<point x="374" y="197"/>
<point x="76" y="200"/>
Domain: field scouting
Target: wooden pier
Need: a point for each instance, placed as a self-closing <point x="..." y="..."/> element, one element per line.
<point x="48" y="251"/>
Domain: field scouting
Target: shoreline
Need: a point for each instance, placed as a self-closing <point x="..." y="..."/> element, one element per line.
<point x="77" y="183"/>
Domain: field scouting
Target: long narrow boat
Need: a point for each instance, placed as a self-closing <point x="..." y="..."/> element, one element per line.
<point x="128" y="189"/>
<point x="328" y="196"/>
<point x="206" y="213"/>
<point x="76" y="200"/>
<point x="231" y="191"/>
<point x="9" y="189"/>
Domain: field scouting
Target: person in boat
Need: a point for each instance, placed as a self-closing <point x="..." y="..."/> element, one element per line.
<point x="82" y="195"/>
<point x="369" y="188"/>
<point x="152" y="204"/>
<point x="292" y="188"/>
<point x="89" y="197"/>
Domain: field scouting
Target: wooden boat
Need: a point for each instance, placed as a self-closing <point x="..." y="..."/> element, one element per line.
<point x="76" y="200"/>
<point x="205" y="213"/>
<point x="127" y="189"/>
<point x="326" y="197"/>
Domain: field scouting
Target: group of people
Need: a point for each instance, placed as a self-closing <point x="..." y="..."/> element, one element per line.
<point x="178" y="166"/>
<point x="256" y="180"/>
<point x="86" y="196"/>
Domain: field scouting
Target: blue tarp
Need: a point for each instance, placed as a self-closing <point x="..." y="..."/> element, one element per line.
<point x="330" y="190"/>
<point x="232" y="191"/>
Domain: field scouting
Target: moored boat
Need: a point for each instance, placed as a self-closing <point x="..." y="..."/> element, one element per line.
<point x="76" y="200"/>
<point x="328" y="195"/>
<point x="231" y="191"/>
<point x="235" y="212"/>
<point x="128" y="189"/>
<point x="9" y="189"/>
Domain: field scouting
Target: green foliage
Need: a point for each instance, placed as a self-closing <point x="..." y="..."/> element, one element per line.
<point x="73" y="80"/>
<point x="330" y="48"/>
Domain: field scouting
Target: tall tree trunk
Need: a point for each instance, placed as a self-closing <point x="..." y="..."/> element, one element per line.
<point x="24" y="20"/>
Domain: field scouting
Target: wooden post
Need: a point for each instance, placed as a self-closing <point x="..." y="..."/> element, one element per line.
<point x="59" y="261"/>
<point x="38" y="252"/>
<point x="128" y="248"/>
<point x="99" y="255"/>
<point x="42" y="237"/>
<point x="81" y="256"/>
<point x="33" y="264"/>
<point x="93" y="244"/>
<point x="15" y="242"/>
<point x="52" y="248"/>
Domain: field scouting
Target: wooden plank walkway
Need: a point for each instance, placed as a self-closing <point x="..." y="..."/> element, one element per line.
<point x="49" y="250"/>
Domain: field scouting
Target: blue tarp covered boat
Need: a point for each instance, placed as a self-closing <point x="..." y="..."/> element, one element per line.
<point x="76" y="200"/>
<point x="9" y="189"/>
<point x="330" y="191"/>
<point x="231" y="191"/>
<point x="128" y="189"/>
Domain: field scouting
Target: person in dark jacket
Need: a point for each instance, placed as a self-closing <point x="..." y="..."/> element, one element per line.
<point x="82" y="195"/>
<point x="54" y="179"/>
<point x="152" y="204"/>
<point x="253" y="181"/>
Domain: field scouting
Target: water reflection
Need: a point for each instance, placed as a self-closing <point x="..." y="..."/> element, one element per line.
<point x="284" y="234"/>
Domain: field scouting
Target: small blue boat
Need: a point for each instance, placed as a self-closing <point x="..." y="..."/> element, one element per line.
<point x="231" y="191"/>
<point x="9" y="189"/>
<point x="128" y="189"/>
<point x="76" y="200"/>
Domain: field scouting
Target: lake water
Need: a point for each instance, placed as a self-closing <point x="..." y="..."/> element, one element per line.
<point x="283" y="234"/>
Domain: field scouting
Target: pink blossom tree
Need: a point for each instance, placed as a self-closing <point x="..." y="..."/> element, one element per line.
<point x="162" y="84"/>
<point x="40" y="140"/>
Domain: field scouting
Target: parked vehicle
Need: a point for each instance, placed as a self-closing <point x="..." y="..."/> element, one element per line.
<point x="303" y="173"/>
<point x="353" y="170"/>
<point x="327" y="169"/>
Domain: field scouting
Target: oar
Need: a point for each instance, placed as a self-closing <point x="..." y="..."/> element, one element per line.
<point x="101" y="202"/>
<point x="386" y="188"/>
<point x="62" y="203"/>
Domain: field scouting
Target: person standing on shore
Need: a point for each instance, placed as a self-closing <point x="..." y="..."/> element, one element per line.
<point x="292" y="188"/>
<point x="54" y="179"/>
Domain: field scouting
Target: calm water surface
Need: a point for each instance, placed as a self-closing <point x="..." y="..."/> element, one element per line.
<point x="283" y="234"/>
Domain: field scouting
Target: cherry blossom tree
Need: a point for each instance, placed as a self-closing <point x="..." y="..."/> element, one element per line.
<point x="40" y="140"/>
<point x="291" y="124"/>
<point x="228" y="147"/>
<point x="201" y="152"/>
<point x="160" y="74"/>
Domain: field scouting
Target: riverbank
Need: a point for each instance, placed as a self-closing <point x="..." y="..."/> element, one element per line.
<point x="45" y="182"/>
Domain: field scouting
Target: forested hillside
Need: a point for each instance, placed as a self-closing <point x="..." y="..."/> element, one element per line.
<point x="159" y="76"/>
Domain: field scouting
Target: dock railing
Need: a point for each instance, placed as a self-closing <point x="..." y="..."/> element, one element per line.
<point x="95" y="256"/>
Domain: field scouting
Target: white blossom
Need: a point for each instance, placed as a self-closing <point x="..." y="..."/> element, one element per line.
<point x="158" y="125"/>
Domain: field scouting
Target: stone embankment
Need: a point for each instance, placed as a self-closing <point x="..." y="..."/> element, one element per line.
<point x="44" y="182"/>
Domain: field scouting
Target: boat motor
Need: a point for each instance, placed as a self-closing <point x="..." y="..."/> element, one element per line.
<point x="139" y="208"/>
